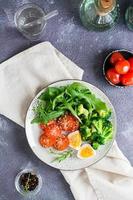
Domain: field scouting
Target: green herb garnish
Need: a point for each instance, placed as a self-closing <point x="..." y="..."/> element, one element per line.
<point x="61" y="156"/>
<point x="26" y="186"/>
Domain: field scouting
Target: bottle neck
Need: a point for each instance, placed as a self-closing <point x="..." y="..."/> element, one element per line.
<point x="104" y="7"/>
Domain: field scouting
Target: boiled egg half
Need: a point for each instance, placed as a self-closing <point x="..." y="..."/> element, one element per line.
<point x="86" y="151"/>
<point x="75" y="140"/>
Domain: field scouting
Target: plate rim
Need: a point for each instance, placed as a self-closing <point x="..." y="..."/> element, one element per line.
<point x="74" y="80"/>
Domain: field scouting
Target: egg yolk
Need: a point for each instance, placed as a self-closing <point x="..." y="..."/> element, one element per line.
<point x="86" y="152"/>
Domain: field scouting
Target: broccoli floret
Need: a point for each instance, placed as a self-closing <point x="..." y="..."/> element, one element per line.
<point x="98" y="124"/>
<point x="95" y="145"/>
<point x="94" y="137"/>
<point x="101" y="140"/>
<point x="94" y="115"/>
<point x="82" y="111"/>
<point x="103" y="131"/>
<point x="107" y="128"/>
<point x="85" y="133"/>
<point x="93" y="129"/>
<point x="105" y="114"/>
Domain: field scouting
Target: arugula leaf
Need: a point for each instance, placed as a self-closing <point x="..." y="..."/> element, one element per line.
<point x="47" y="117"/>
<point x="98" y="104"/>
<point x="69" y="107"/>
<point x="53" y="115"/>
<point x="50" y="93"/>
<point x="37" y="120"/>
<point x="58" y="99"/>
<point x="77" y="87"/>
<point x="84" y="94"/>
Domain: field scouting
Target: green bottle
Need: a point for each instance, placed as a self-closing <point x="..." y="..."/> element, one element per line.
<point x="99" y="15"/>
<point x="129" y="18"/>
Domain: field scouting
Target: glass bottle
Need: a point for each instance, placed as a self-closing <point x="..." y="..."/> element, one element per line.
<point x="129" y="17"/>
<point x="99" y="15"/>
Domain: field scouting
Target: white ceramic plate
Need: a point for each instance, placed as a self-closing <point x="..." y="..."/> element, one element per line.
<point x="73" y="163"/>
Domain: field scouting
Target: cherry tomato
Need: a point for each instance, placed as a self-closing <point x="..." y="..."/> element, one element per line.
<point x="122" y="67"/>
<point x="130" y="60"/>
<point x="46" y="141"/>
<point x="61" y="143"/>
<point x="52" y="130"/>
<point x="127" y="79"/>
<point x="68" y="123"/>
<point x="43" y="126"/>
<point x="116" y="56"/>
<point x="113" y="76"/>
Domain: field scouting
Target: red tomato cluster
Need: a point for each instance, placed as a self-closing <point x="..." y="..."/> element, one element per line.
<point x="121" y="71"/>
<point x="52" y="132"/>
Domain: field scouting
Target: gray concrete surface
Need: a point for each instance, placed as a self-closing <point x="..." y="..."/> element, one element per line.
<point x="87" y="49"/>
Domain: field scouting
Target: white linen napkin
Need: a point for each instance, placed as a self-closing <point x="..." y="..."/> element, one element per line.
<point x="21" y="77"/>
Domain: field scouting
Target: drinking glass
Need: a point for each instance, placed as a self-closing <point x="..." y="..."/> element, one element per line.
<point x="27" y="14"/>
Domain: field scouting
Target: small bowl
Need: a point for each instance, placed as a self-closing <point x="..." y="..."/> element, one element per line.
<point x="29" y="193"/>
<point x="107" y="65"/>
